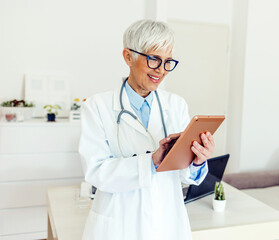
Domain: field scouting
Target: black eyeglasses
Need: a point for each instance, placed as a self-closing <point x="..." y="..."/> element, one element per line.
<point x="154" y="62"/>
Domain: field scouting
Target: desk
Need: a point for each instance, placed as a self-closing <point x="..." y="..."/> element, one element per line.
<point x="244" y="218"/>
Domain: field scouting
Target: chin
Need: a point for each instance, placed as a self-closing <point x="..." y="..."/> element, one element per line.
<point x="155" y="84"/>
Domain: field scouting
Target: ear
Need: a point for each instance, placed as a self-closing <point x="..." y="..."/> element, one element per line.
<point x="127" y="55"/>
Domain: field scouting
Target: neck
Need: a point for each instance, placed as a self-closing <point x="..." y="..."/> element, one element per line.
<point x="139" y="90"/>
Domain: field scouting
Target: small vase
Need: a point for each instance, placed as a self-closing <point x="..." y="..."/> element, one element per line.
<point x="218" y="205"/>
<point x="10" y="117"/>
<point x="51" y="117"/>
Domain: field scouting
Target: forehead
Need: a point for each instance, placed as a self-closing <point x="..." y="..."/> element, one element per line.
<point x="163" y="52"/>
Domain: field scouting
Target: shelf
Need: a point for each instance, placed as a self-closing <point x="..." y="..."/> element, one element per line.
<point x="40" y="122"/>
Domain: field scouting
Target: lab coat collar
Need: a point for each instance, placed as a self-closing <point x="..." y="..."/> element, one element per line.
<point x="155" y="126"/>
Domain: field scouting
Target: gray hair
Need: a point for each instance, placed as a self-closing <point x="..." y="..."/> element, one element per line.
<point x="144" y="35"/>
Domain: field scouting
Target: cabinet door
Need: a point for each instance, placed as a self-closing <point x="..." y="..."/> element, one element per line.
<point x="39" y="138"/>
<point x="39" y="166"/>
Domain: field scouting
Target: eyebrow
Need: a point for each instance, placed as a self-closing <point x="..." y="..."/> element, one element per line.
<point x="169" y="58"/>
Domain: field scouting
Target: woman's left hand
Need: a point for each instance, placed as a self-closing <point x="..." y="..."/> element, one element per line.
<point x="203" y="152"/>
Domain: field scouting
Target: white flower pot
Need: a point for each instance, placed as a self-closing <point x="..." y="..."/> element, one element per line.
<point x="218" y="205"/>
<point x="74" y="115"/>
<point x="22" y="113"/>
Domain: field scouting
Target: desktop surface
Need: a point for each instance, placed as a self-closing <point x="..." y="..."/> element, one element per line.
<point x="67" y="216"/>
<point x="241" y="209"/>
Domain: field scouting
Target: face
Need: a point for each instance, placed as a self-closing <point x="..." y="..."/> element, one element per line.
<point x="143" y="79"/>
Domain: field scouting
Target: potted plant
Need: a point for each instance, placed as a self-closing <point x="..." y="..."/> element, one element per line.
<point x="75" y="110"/>
<point x="219" y="200"/>
<point x="17" y="110"/>
<point x="52" y="111"/>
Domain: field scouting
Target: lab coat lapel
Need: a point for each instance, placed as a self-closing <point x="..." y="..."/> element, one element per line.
<point x="126" y="117"/>
<point x="155" y="125"/>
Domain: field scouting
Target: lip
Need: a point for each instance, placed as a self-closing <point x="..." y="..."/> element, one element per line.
<point x="153" y="80"/>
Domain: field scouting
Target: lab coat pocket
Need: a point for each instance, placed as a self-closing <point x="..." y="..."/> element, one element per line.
<point x="97" y="227"/>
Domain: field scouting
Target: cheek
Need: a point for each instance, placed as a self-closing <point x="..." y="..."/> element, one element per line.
<point x="140" y="69"/>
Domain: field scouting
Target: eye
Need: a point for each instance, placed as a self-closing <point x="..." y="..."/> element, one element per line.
<point x="154" y="59"/>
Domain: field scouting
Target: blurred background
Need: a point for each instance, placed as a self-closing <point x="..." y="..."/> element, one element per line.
<point x="229" y="57"/>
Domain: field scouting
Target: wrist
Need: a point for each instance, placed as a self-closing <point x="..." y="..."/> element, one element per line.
<point x="153" y="159"/>
<point x="198" y="164"/>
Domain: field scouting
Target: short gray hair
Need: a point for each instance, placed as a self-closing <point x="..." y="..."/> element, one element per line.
<point x="145" y="34"/>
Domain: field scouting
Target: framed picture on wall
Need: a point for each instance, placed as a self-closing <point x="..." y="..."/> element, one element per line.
<point x="48" y="89"/>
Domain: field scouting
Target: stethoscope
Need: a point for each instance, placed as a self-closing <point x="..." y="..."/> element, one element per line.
<point x="136" y="118"/>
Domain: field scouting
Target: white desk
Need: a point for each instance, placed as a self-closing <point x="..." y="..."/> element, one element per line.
<point x="244" y="217"/>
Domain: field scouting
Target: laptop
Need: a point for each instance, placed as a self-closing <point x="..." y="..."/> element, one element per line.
<point x="216" y="168"/>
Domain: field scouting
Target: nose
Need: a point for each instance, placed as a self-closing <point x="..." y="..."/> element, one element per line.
<point x="160" y="69"/>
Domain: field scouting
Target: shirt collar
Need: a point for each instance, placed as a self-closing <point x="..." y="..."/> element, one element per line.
<point x="135" y="99"/>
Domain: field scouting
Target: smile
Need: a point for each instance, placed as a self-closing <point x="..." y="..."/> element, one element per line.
<point x="154" y="79"/>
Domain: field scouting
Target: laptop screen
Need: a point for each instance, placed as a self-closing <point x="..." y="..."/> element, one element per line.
<point x="216" y="168"/>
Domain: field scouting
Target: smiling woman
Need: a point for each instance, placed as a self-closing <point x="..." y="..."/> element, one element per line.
<point x="144" y="79"/>
<point x="153" y="46"/>
<point x="122" y="156"/>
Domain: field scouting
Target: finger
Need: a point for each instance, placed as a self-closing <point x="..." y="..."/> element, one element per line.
<point x="205" y="141"/>
<point x="211" y="144"/>
<point x="201" y="149"/>
<point x="174" y="135"/>
<point x="210" y="137"/>
<point x="165" y="140"/>
<point x="199" y="155"/>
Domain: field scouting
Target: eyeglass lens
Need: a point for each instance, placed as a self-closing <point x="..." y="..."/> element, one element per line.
<point x="154" y="62"/>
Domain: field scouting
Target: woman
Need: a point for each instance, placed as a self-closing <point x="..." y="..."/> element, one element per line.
<point x="133" y="201"/>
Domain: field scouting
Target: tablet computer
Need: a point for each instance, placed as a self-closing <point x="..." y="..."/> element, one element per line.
<point x="180" y="155"/>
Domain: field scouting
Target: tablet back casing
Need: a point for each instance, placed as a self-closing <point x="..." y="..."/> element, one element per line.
<point x="180" y="155"/>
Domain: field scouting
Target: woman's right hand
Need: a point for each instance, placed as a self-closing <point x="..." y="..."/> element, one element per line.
<point x="165" y="144"/>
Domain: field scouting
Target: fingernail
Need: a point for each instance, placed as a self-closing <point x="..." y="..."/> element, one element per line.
<point x="168" y="139"/>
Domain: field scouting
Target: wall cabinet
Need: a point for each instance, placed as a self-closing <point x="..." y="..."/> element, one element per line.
<point x="34" y="155"/>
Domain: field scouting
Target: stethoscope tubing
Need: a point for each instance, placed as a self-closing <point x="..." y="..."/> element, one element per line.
<point x="136" y="118"/>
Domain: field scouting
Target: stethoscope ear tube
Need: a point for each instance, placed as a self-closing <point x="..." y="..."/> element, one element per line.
<point x="162" y="115"/>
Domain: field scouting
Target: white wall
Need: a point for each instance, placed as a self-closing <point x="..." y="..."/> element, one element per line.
<point x="253" y="98"/>
<point x="202" y="31"/>
<point x="213" y="11"/>
<point x="82" y="38"/>
<point x="260" y="125"/>
<point x="201" y="76"/>
<point x="236" y="82"/>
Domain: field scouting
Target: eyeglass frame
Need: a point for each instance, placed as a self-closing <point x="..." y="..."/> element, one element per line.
<point x="149" y="56"/>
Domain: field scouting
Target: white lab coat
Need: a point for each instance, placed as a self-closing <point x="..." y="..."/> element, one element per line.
<point x="131" y="203"/>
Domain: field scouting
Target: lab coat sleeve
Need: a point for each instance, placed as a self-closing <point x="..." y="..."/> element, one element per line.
<point x="193" y="174"/>
<point x="107" y="173"/>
